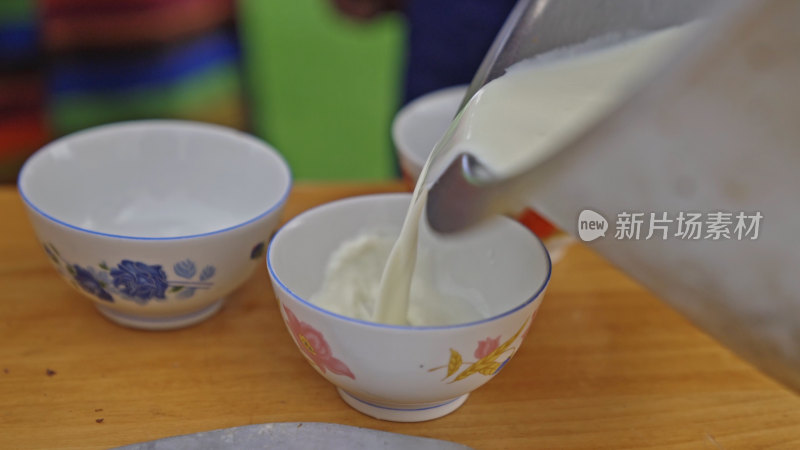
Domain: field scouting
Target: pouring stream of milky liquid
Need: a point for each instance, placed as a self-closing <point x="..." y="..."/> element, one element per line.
<point x="513" y="122"/>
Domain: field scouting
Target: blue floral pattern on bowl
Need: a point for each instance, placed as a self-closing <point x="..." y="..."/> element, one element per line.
<point x="134" y="280"/>
<point x="139" y="280"/>
<point x="89" y="282"/>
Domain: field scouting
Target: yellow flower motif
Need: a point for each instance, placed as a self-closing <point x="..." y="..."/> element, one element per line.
<point x="487" y="365"/>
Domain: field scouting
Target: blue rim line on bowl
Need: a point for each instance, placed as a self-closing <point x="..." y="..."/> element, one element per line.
<point x="402" y="409"/>
<point x="238" y="134"/>
<point x="400" y="327"/>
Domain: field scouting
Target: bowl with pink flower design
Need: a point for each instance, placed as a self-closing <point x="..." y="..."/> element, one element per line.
<point x="409" y="373"/>
<point x="155" y="221"/>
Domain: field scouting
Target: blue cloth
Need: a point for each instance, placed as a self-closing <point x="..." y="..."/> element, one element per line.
<point x="448" y="40"/>
<point x="128" y="71"/>
<point x="18" y="42"/>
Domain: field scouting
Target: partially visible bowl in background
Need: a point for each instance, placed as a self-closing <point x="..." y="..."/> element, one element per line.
<point x="155" y="221"/>
<point x="420" y="124"/>
<point x="407" y="373"/>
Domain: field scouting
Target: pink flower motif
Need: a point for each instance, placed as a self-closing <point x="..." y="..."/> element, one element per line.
<point x="486" y="346"/>
<point x="314" y="346"/>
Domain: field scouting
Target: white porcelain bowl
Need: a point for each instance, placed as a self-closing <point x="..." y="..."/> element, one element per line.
<point x="155" y="221"/>
<point x="405" y="373"/>
<point x="419" y="125"/>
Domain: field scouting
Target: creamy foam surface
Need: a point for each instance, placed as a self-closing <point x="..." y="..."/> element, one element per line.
<point x="513" y="122"/>
<point x="352" y="284"/>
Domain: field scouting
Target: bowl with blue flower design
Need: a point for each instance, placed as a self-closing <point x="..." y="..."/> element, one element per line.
<point x="409" y="373"/>
<point x="156" y="221"/>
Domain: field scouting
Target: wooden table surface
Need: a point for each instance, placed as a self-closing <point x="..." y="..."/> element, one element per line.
<point x="605" y="365"/>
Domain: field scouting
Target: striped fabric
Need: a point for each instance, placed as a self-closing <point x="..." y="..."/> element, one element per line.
<point x="66" y="65"/>
<point x="23" y="123"/>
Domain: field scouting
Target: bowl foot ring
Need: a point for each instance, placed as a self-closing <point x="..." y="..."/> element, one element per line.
<point x="400" y="413"/>
<point x="161" y="323"/>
